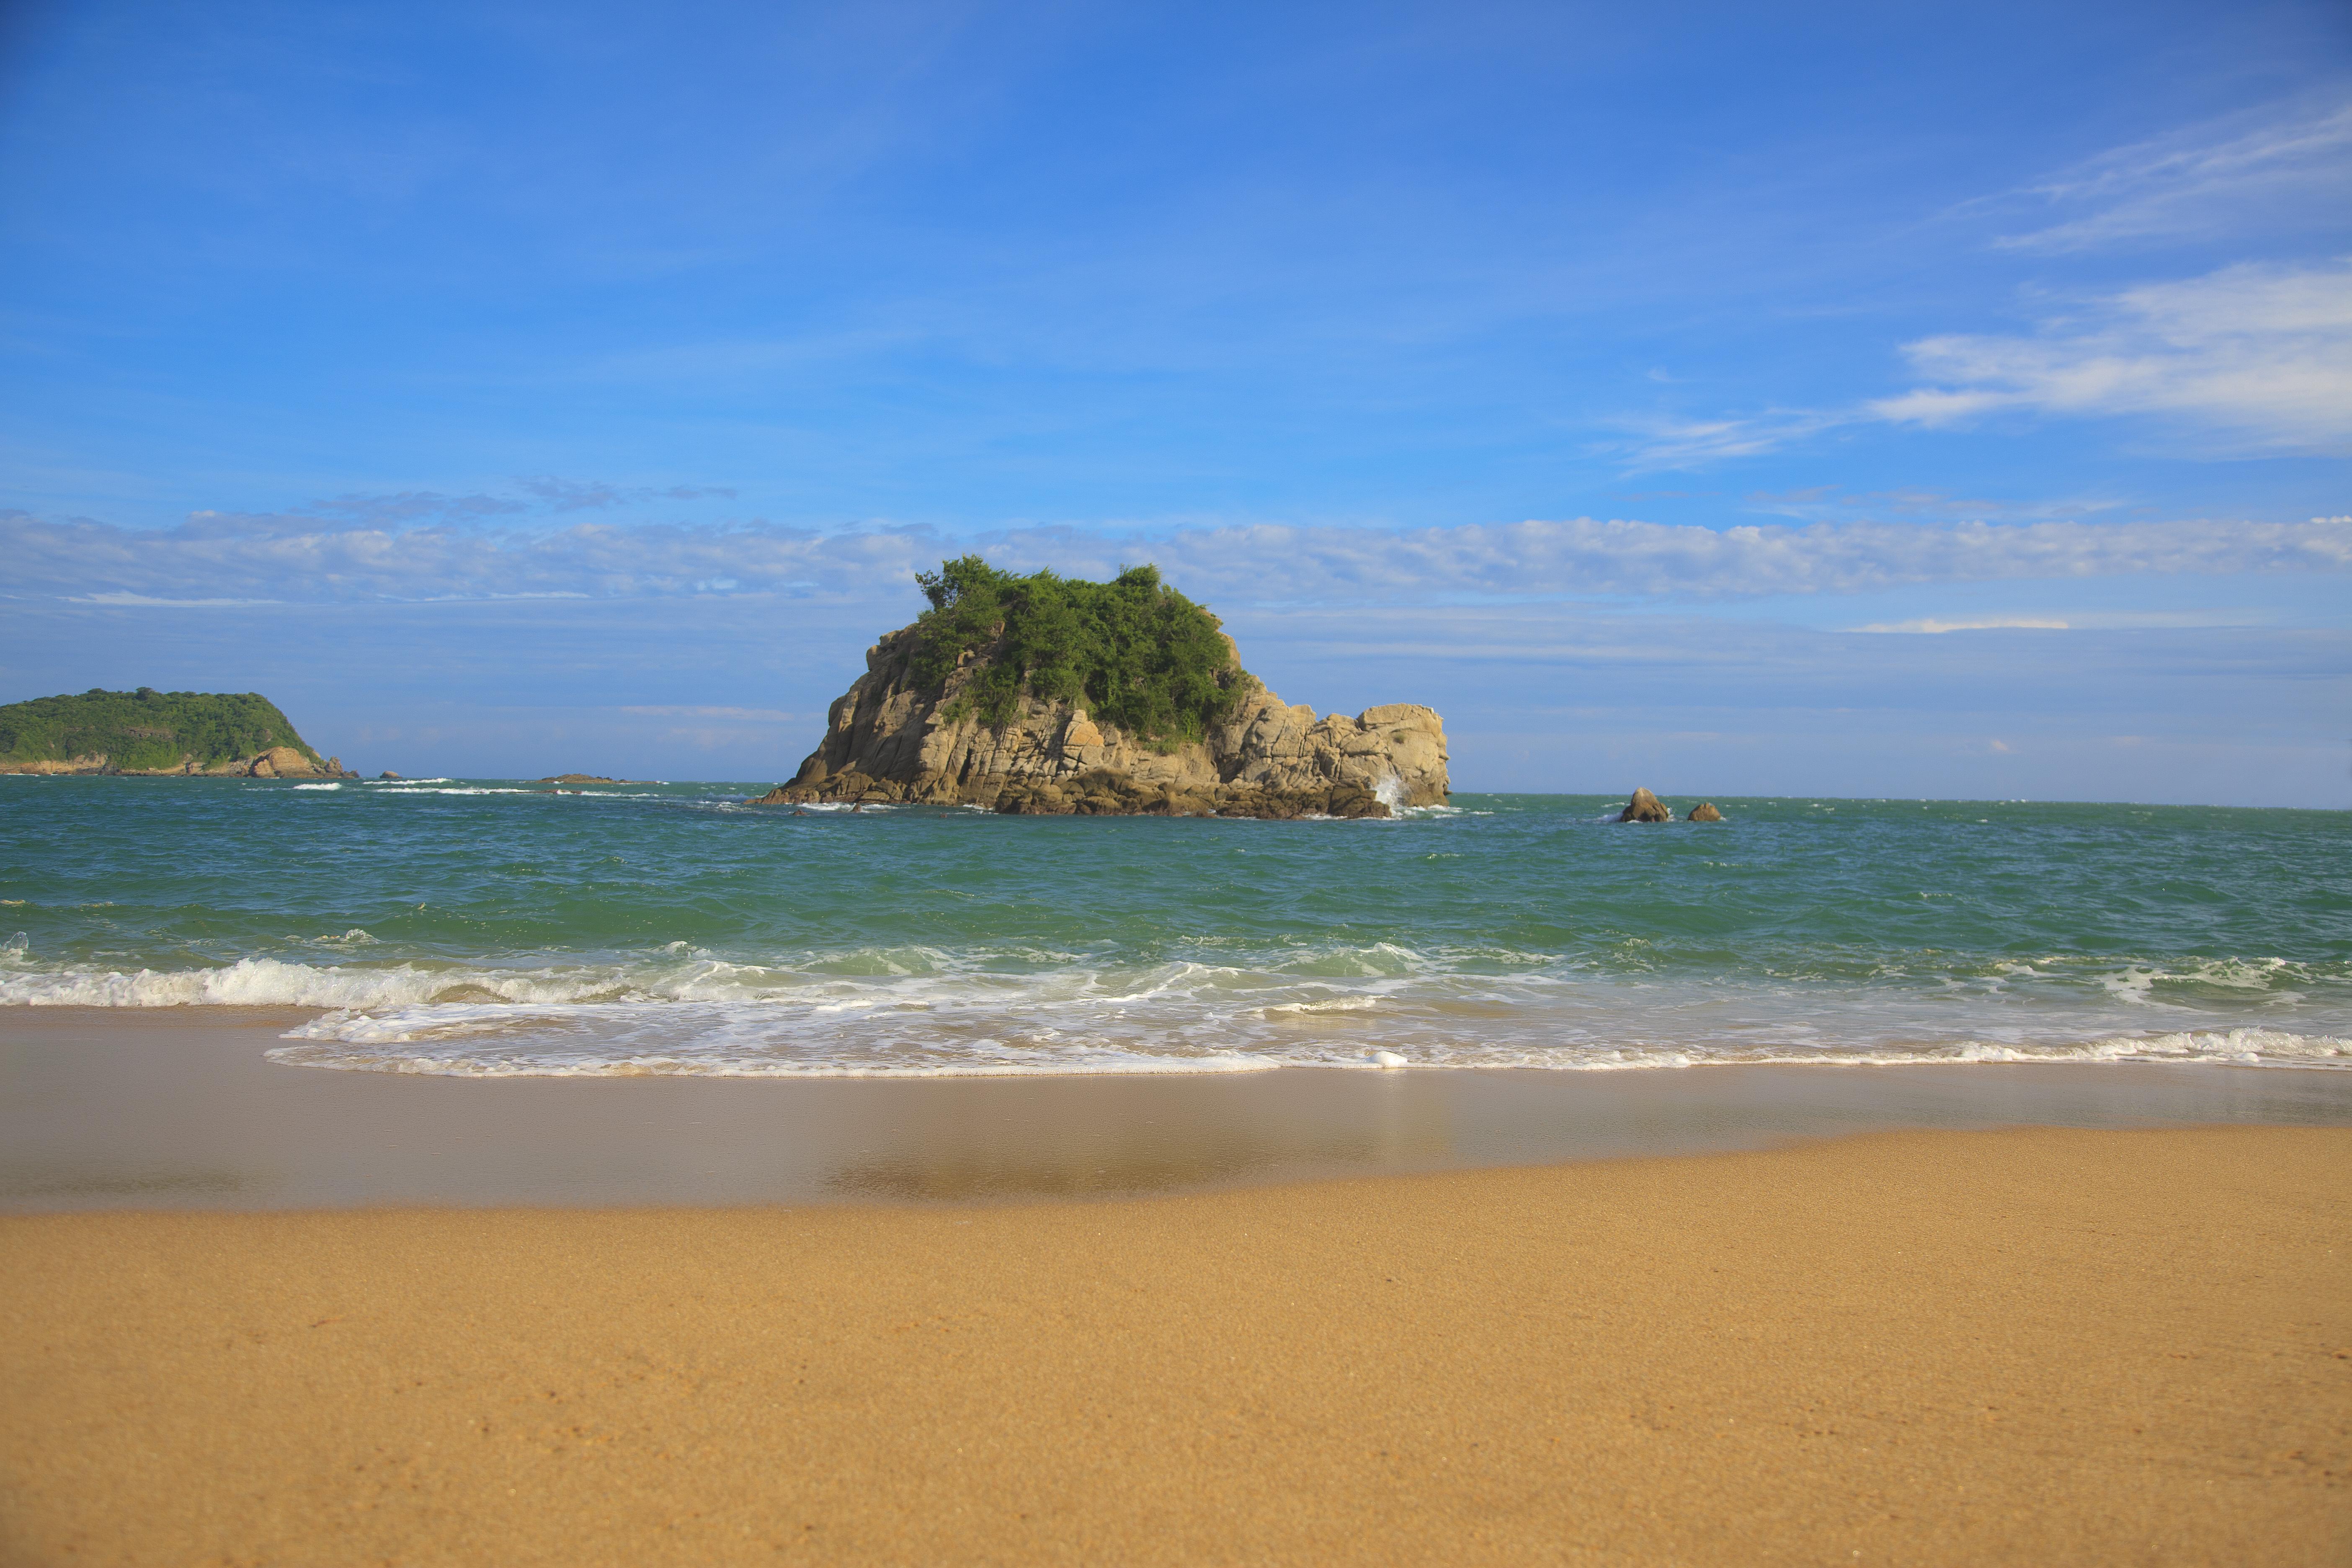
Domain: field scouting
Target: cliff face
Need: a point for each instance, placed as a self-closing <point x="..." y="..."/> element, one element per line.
<point x="888" y="739"/>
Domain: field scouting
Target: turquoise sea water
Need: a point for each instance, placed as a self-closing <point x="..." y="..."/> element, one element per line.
<point x="487" y="927"/>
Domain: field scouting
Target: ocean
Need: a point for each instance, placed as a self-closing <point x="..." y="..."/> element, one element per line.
<point x="491" y="928"/>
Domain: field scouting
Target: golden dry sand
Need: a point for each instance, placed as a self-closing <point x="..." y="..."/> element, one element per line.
<point x="2017" y="1347"/>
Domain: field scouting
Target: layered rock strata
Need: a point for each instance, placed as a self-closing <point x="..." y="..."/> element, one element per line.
<point x="888" y="742"/>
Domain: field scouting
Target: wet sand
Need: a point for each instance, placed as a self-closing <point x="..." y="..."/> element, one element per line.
<point x="2021" y="1346"/>
<point x="177" y="1107"/>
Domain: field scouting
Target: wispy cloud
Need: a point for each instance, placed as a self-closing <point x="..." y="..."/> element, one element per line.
<point x="1668" y="444"/>
<point x="560" y="495"/>
<point x="540" y="494"/>
<point x="130" y="600"/>
<point x="2098" y="620"/>
<point x="751" y="715"/>
<point x="1832" y="502"/>
<point x="2255" y="359"/>
<point x="393" y="511"/>
<point x="2291" y="165"/>
<point x="1263" y="564"/>
<point x="1969" y="624"/>
<point x="2252" y="360"/>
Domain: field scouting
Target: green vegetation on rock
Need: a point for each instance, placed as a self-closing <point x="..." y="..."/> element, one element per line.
<point x="1133" y="651"/>
<point x="145" y="730"/>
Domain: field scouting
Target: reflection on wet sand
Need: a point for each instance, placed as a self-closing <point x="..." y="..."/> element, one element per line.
<point x="18" y="1181"/>
<point x="1188" y="1141"/>
<point x="179" y="1109"/>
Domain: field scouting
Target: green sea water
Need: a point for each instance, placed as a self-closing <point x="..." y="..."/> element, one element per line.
<point x="492" y="926"/>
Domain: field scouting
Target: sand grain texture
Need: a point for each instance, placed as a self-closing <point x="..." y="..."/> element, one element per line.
<point x="2030" y="1346"/>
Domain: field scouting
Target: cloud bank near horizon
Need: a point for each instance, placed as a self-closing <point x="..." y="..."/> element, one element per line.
<point x="409" y="549"/>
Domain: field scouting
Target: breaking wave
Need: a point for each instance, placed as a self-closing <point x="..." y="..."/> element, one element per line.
<point x="917" y="1009"/>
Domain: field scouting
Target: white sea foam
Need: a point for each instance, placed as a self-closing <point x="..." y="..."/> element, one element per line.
<point x="1331" y="1004"/>
<point x="882" y="1009"/>
<point x="578" y="1042"/>
<point x="405" y="788"/>
<point x="270" y="982"/>
<point x="317" y="787"/>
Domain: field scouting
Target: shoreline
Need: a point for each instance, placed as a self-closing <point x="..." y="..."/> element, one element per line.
<point x="1946" y="1347"/>
<point x="120" y="1108"/>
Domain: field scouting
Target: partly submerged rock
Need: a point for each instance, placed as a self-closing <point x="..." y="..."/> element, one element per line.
<point x="1644" y="807"/>
<point x="890" y="741"/>
<point x="1704" y="812"/>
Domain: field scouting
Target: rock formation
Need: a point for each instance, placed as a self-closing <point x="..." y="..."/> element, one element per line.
<point x="286" y="763"/>
<point x="888" y="739"/>
<point x="91" y="763"/>
<point x="275" y="763"/>
<point x="1644" y="807"/>
<point x="1704" y="812"/>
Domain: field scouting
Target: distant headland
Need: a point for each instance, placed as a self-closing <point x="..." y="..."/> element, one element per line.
<point x="162" y="735"/>
<point x="1048" y="694"/>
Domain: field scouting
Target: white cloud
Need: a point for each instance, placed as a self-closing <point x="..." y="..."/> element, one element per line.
<point x="2253" y="359"/>
<point x="2257" y="359"/>
<point x="2291" y="167"/>
<point x="1246" y="565"/>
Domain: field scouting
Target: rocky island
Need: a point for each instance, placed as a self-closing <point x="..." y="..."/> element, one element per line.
<point x="1048" y="694"/>
<point x="178" y="734"/>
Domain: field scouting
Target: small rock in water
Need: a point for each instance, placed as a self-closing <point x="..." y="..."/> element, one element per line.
<point x="1704" y="812"/>
<point x="1387" y="1060"/>
<point x="1644" y="807"/>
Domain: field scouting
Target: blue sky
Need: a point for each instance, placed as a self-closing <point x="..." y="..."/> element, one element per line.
<point x="1922" y="400"/>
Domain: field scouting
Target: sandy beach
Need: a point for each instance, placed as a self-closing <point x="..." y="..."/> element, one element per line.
<point x="2020" y="1346"/>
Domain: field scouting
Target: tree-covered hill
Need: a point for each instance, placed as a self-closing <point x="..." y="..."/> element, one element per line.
<point x="1134" y="650"/>
<point x="146" y="729"/>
